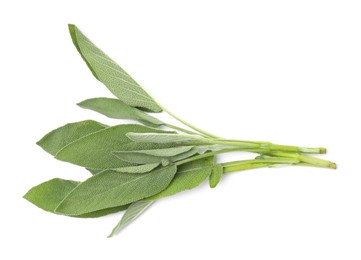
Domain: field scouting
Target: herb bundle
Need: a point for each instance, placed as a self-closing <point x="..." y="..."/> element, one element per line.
<point x="133" y="165"/>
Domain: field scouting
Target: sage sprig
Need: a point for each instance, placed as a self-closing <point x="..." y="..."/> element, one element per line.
<point x="133" y="165"/>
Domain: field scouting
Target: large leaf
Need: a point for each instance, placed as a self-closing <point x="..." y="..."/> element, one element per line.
<point x="94" y="150"/>
<point x="111" y="74"/>
<point x="111" y="189"/>
<point x="49" y="194"/>
<point x="115" y="108"/>
<point x="134" y="211"/>
<point x="62" y="136"/>
<point x="188" y="176"/>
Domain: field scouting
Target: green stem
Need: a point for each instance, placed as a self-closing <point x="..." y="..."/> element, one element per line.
<point x="204" y="133"/>
<point x="306" y="159"/>
<point x="205" y="155"/>
<point x="180" y="129"/>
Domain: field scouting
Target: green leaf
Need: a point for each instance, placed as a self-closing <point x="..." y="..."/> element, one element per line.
<point x="94" y="150"/>
<point x="134" y="211"/>
<point x="188" y="176"/>
<point x="111" y="189"/>
<point x="215" y="176"/>
<point x="138" y="168"/>
<point x="164" y="138"/>
<point x="111" y="74"/>
<point x="94" y="171"/>
<point x="49" y="194"/>
<point x="153" y="155"/>
<point x="62" y="136"/>
<point x="115" y="108"/>
<point x="163" y="152"/>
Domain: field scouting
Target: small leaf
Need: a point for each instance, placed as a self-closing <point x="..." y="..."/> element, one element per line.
<point x="138" y="168"/>
<point x="62" y="136"/>
<point x="215" y="176"/>
<point x="134" y="211"/>
<point x="111" y="189"/>
<point x="188" y="176"/>
<point x="164" y="152"/>
<point x="115" y="108"/>
<point x="111" y="74"/>
<point x="94" y="150"/>
<point x="48" y="196"/>
<point x="153" y="155"/>
<point x="164" y="138"/>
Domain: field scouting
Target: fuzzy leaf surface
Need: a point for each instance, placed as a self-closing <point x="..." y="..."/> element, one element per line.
<point x="137" y="168"/>
<point x="57" y="139"/>
<point x="188" y="176"/>
<point x="134" y="211"/>
<point x="164" y="138"/>
<point x="120" y="83"/>
<point x="215" y="176"/>
<point x="109" y="189"/>
<point x="115" y="108"/>
<point x="49" y="194"/>
<point x="94" y="150"/>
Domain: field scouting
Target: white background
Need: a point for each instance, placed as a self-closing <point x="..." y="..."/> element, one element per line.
<point x="281" y="71"/>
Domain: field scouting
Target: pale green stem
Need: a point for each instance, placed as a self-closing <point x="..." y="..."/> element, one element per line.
<point x="180" y="129"/>
<point x="204" y="133"/>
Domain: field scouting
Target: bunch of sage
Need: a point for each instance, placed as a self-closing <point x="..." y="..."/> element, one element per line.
<point x="133" y="165"/>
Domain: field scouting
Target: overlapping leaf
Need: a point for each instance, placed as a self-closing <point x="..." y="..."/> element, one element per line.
<point x="134" y="211"/>
<point x="111" y="74"/>
<point x="215" y="176"/>
<point x="94" y="150"/>
<point x="188" y="176"/>
<point x="115" y="108"/>
<point x="48" y="195"/>
<point x="57" y="139"/>
<point x="111" y="189"/>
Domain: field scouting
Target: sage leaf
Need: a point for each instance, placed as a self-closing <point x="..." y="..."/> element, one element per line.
<point x="188" y="176"/>
<point x="164" y="138"/>
<point x="64" y="135"/>
<point x="49" y="194"/>
<point x="111" y="189"/>
<point x="156" y="155"/>
<point x="215" y="176"/>
<point x="164" y="152"/>
<point x="111" y="74"/>
<point x="115" y="108"/>
<point x="134" y="211"/>
<point x="94" y="150"/>
<point x="151" y="156"/>
<point x="137" y="168"/>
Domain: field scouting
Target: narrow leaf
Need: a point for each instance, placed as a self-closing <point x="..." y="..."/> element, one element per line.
<point x="188" y="176"/>
<point x="164" y="138"/>
<point x="134" y="211"/>
<point x="153" y="155"/>
<point x="111" y="189"/>
<point x="115" y="108"/>
<point x="138" y="168"/>
<point x="62" y="136"/>
<point x="111" y="74"/>
<point x="164" y="152"/>
<point x="94" y="150"/>
<point x="215" y="176"/>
